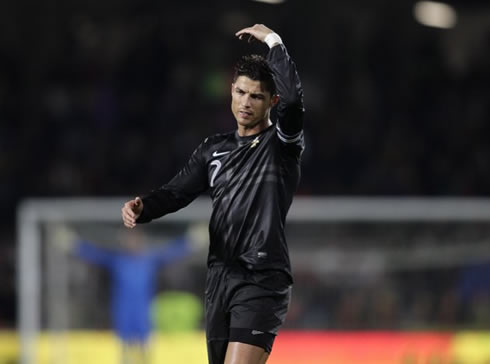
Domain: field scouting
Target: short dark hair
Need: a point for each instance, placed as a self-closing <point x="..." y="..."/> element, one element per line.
<point x="255" y="67"/>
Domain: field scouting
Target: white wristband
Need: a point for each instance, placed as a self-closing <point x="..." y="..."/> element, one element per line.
<point x="272" y="39"/>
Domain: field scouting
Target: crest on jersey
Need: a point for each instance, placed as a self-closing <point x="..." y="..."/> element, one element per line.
<point x="255" y="142"/>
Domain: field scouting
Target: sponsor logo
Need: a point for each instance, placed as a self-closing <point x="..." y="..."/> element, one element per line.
<point x="257" y="332"/>
<point x="217" y="154"/>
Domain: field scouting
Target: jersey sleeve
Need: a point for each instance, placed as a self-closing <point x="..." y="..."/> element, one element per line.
<point x="188" y="184"/>
<point x="93" y="254"/>
<point x="172" y="252"/>
<point x="290" y="108"/>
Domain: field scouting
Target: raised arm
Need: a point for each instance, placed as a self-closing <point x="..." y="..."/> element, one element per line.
<point x="189" y="183"/>
<point x="94" y="254"/>
<point x="290" y="108"/>
<point x="68" y="241"/>
<point x="171" y="252"/>
<point x="193" y="241"/>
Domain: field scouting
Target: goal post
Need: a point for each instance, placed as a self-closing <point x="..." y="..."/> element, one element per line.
<point x="325" y="235"/>
<point x="32" y="216"/>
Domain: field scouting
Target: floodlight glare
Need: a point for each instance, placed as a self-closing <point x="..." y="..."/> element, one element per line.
<point x="435" y="14"/>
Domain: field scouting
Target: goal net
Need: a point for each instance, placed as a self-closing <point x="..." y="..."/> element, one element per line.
<point x="361" y="263"/>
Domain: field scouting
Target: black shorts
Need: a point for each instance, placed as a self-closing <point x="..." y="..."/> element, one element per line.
<point x="245" y="306"/>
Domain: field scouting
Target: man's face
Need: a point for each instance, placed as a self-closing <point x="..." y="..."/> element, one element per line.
<point x="132" y="241"/>
<point x="250" y="102"/>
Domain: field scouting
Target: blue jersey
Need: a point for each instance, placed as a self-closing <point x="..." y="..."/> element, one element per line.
<point x="133" y="283"/>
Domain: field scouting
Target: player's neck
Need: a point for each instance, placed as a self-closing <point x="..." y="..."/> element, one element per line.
<point x="244" y="131"/>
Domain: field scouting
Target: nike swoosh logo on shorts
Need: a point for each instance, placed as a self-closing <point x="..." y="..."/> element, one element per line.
<point x="257" y="332"/>
<point x="217" y="154"/>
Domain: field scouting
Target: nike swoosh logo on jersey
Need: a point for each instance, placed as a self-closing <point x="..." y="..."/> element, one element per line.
<point x="217" y="154"/>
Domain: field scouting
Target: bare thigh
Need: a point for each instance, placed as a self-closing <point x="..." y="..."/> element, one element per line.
<point x="241" y="353"/>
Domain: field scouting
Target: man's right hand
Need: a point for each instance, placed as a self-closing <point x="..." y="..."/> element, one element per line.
<point x="131" y="211"/>
<point x="258" y="31"/>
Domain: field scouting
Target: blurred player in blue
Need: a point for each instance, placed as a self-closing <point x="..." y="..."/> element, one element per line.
<point x="133" y="271"/>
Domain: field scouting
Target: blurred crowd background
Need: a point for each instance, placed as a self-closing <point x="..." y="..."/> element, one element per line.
<point x="109" y="98"/>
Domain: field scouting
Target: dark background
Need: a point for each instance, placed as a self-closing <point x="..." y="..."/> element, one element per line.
<point x="101" y="98"/>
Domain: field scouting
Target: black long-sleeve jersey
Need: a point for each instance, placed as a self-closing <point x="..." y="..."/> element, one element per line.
<point x="251" y="181"/>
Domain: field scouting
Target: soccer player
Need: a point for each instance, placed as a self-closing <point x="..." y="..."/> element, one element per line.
<point x="251" y="175"/>
<point x="133" y="272"/>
